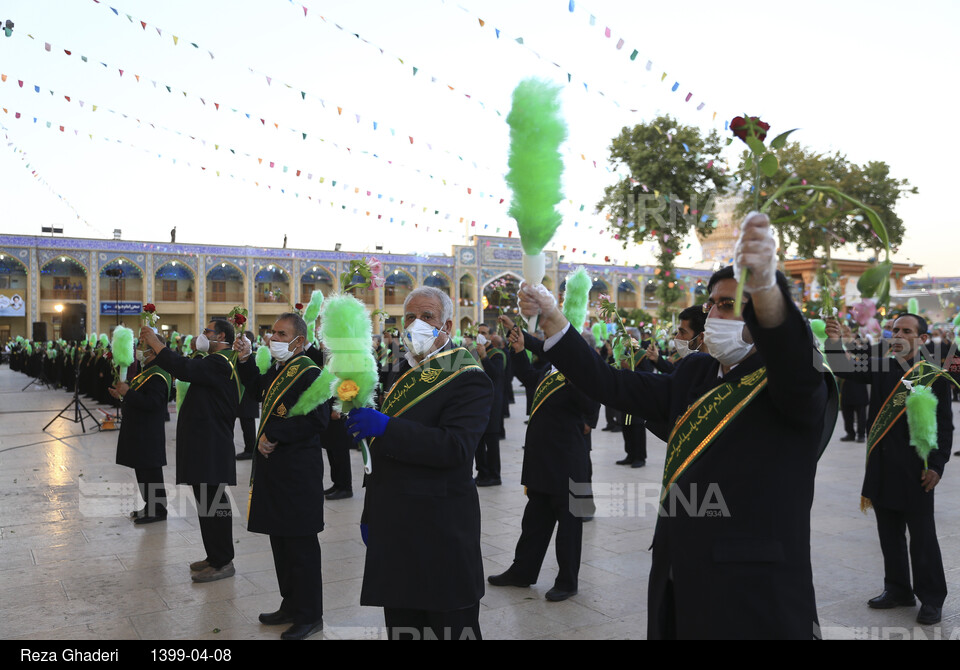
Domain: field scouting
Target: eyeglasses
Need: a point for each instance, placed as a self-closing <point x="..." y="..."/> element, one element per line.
<point x="723" y="305"/>
<point x="208" y="330"/>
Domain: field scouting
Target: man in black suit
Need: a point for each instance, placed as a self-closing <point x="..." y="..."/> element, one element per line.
<point x="494" y="361"/>
<point x="897" y="483"/>
<point x="421" y="508"/>
<point x="731" y="551"/>
<point x="556" y="457"/>
<point x="141" y="443"/>
<point x="854" y="396"/>
<point x="286" y="501"/>
<point x="205" y="453"/>
<point x="248" y="415"/>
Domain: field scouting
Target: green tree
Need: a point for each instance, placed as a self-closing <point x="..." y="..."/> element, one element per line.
<point x="813" y="221"/>
<point x="669" y="176"/>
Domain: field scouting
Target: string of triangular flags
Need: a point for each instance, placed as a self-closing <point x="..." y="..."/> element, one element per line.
<point x="40" y="179"/>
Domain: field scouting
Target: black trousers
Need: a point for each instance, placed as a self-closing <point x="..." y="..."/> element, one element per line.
<point x="929" y="583"/>
<point x="337" y="444"/>
<point x="150" y="483"/>
<point x="542" y="513"/>
<point x="635" y="438"/>
<point x="248" y="426"/>
<point x="858" y="412"/>
<point x="614" y="418"/>
<point x="216" y="522"/>
<point x="488" y="456"/>
<point x="297" y="561"/>
<point x="406" y="624"/>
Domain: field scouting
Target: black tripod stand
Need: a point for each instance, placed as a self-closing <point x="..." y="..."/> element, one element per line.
<point x="76" y="403"/>
<point x="41" y="378"/>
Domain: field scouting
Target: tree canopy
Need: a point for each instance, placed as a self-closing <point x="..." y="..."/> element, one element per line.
<point x="669" y="175"/>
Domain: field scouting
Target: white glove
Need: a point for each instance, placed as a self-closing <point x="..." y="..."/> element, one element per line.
<point x="756" y="250"/>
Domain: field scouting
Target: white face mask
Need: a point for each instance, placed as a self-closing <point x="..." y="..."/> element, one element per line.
<point x="724" y="340"/>
<point x="203" y="344"/>
<point x="481" y="340"/>
<point x="281" y="350"/>
<point x="683" y="347"/>
<point x="420" y="336"/>
<point x="140" y="357"/>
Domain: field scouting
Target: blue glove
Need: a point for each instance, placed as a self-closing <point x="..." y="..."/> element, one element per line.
<point x="364" y="423"/>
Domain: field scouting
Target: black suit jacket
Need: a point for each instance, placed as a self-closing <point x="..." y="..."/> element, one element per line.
<point x="739" y="554"/>
<point x="287" y="497"/>
<point x="893" y="471"/>
<point x="205" y="451"/>
<point x="555" y="449"/>
<point x="142" y="439"/>
<point x="421" y="504"/>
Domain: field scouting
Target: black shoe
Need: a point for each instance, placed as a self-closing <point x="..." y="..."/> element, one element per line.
<point x="330" y="490"/>
<point x="301" y="631"/>
<point x="136" y="514"/>
<point x="339" y="494"/>
<point x="847" y="438"/>
<point x="491" y="481"/>
<point x="638" y="463"/>
<point x="245" y="456"/>
<point x="587" y="518"/>
<point x="555" y="595"/>
<point x="275" y="618"/>
<point x="929" y="615"/>
<point x="625" y="461"/>
<point x="616" y="429"/>
<point x="507" y="579"/>
<point x="861" y="440"/>
<point x="140" y="520"/>
<point x="887" y="600"/>
<point x="607" y="427"/>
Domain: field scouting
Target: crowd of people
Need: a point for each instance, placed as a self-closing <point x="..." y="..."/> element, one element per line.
<point x="744" y="411"/>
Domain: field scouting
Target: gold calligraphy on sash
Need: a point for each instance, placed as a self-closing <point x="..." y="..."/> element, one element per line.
<point x="429" y="376"/>
<point x="704" y="420"/>
<point x="552" y="383"/>
<point x="149" y="372"/>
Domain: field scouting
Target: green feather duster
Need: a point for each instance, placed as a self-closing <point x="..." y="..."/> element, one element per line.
<point x="182" y="388"/>
<point x="922" y="420"/>
<point x="263" y="359"/>
<point x="104" y="340"/>
<point x="122" y="348"/>
<point x="185" y="349"/>
<point x="457" y="338"/>
<point x="913" y="306"/>
<point x="536" y="133"/>
<point x="316" y="394"/>
<point x="311" y="313"/>
<point x="819" y="328"/>
<point x="956" y="320"/>
<point x="576" y="297"/>
<point x="92" y="340"/>
<point x="29" y="349"/>
<point x="174" y="336"/>
<point x="347" y="332"/>
<point x="599" y="333"/>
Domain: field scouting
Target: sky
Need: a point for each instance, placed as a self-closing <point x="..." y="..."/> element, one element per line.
<point x="407" y="101"/>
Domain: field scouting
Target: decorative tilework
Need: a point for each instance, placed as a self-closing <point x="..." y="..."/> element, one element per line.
<point x="159" y="260"/>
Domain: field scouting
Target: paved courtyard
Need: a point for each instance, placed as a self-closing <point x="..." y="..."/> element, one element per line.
<point x="73" y="566"/>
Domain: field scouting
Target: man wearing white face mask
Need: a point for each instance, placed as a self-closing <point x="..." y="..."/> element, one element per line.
<point x="206" y="460"/>
<point x="141" y="444"/>
<point x="731" y="552"/>
<point x="286" y="500"/>
<point x="421" y="508"/>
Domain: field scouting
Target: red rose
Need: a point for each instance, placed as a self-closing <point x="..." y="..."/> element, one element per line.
<point x="109" y="356"/>
<point x="150" y="307"/>
<point x="239" y="319"/>
<point x="299" y="305"/>
<point x="740" y="127"/>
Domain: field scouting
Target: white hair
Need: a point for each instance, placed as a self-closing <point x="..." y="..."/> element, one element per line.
<point x="446" y="304"/>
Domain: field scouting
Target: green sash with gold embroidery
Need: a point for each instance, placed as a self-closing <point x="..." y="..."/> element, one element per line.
<point x="896" y="403"/>
<point x="151" y="371"/>
<point x="426" y="378"/>
<point x="274" y="403"/>
<point x="893" y="408"/>
<point x="552" y="383"/>
<point x="498" y="354"/>
<point x="231" y="357"/>
<point x="704" y="420"/>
